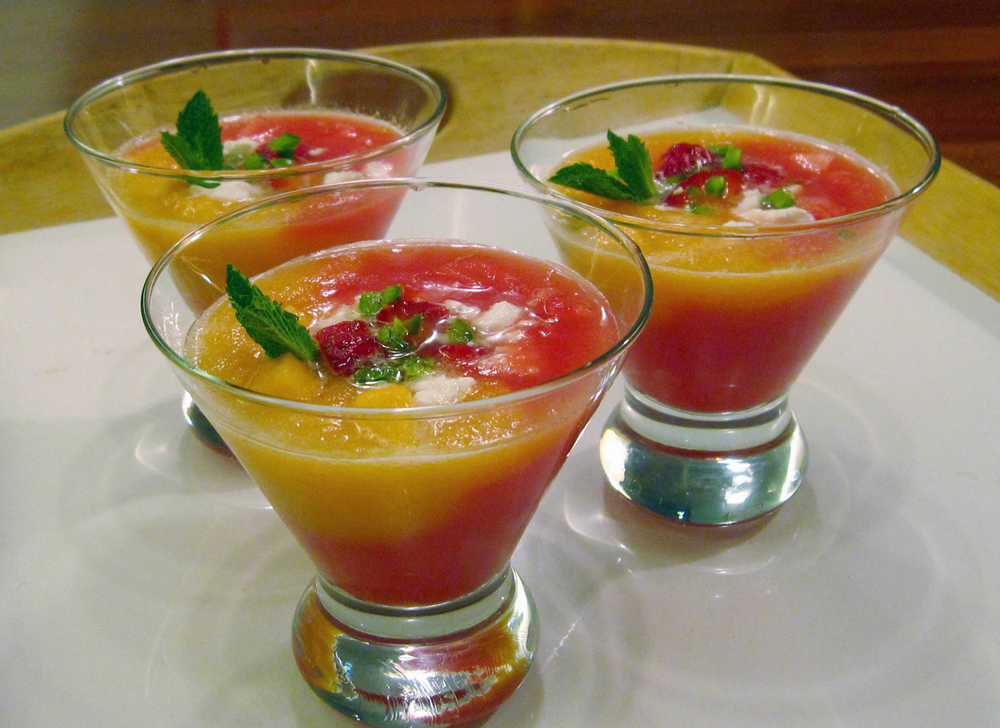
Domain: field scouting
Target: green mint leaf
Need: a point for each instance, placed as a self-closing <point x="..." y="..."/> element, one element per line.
<point x="276" y="330"/>
<point x="588" y="178"/>
<point x="413" y="367"/>
<point x="180" y="149"/>
<point x="372" y="373"/>
<point x="254" y="161"/>
<point x="778" y="200"/>
<point x="393" y="336"/>
<point x="460" y="331"/>
<point x="198" y="142"/>
<point x="635" y="168"/>
<point x="284" y="145"/>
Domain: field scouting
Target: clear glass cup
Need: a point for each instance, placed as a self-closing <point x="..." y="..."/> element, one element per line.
<point x="411" y="515"/>
<point x="158" y="202"/>
<point x="705" y="434"/>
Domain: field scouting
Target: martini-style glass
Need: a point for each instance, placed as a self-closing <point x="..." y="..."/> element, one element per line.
<point x="376" y="118"/>
<point x="411" y="514"/>
<point x="705" y="434"/>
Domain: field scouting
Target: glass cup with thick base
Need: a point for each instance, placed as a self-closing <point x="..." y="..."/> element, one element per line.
<point x="705" y="434"/>
<point x="411" y="513"/>
<point x="356" y="116"/>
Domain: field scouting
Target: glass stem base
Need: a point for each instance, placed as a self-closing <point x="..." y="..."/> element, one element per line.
<point x="202" y="427"/>
<point x="705" y="469"/>
<point x="447" y="665"/>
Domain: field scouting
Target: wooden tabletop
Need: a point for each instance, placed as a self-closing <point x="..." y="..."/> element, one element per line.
<point x="493" y="84"/>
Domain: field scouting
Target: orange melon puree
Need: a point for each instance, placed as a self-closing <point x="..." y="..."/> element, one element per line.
<point x="409" y="507"/>
<point x="161" y="209"/>
<point x="734" y="320"/>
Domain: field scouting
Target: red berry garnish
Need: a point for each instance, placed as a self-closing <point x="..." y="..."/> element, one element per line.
<point x="347" y="345"/>
<point x="734" y="186"/>
<point x="404" y="309"/>
<point x="683" y="158"/>
<point x="760" y="175"/>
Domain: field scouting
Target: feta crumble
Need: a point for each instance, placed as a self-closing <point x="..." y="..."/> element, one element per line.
<point x="501" y="315"/>
<point x="235" y="190"/>
<point x="461" y="310"/>
<point x="440" y="389"/>
<point x="749" y="209"/>
<point x="341" y="313"/>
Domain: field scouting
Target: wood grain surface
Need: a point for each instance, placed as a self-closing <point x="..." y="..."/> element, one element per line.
<point x="494" y="83"/>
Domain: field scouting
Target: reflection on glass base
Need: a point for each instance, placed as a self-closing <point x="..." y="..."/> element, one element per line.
<point x="201" y="426"/>
<point x="447" y="665"/>
<point x="703" y="469"/>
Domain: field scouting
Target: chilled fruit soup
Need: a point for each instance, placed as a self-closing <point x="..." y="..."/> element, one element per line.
<point x="160" y="209"/>
<point x="735" y="316"/>
<point x="402" y="508"/>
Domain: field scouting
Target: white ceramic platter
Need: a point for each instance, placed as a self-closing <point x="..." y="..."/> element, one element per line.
<point x="144" y="582"/>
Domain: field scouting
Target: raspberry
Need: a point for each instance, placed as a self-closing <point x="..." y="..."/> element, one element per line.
<point x="683" y="158"/>
<point x="760" y="175"/>
<point x="347" y="345"/>
<point x="403" y="309"/>
<point x="734" y="186"/>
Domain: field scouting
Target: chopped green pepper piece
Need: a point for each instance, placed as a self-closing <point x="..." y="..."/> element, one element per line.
<point x="778" y="200"/>
<point x="716" y="185"/>
<point x="460" y="331"/>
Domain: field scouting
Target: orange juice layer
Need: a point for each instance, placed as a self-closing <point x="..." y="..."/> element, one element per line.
<point x="735" y="319"/>
<point x="415" y="509"/>
<point x="159" y="210"/>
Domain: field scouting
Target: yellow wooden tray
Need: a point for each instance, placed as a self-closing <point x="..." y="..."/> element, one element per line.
<point x="493" y="84"/>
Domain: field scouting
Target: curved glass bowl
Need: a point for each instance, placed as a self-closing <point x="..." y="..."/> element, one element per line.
<point x="159" y="203"/>
<point x="705" y="434"/>
<point x="411" y="514"/>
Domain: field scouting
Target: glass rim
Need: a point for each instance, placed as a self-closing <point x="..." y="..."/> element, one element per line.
<point x="419" y="411"/>
<point x="891" y="113"/>
<point x="181" y="63"/>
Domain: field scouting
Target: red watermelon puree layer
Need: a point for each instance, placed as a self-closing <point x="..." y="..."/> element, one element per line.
<point x="412" y="512"/>
<point x="455" y="557"/>
<point x="325" y="136"/>
<point x="159" y="210"/>
<point x="734" y="320"/>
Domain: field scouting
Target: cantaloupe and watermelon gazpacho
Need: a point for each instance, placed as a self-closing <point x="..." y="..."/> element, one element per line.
<point x="411" y="467"/>
<point x="256" y="154"/>
<point x="747" y="279"/>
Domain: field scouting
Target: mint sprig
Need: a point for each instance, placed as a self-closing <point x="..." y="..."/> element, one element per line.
<point x="198" y="142"/>
<point x="276" y="330"/>
<point x="634" y="165"/>
<point x="632" y="179"/>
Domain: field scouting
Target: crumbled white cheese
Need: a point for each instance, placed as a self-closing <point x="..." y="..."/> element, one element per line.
<point x="785" y="216"/>
<point x="499" y="316"/>
<point x="235" y="190"/>
<point x="462" y="310"/>
<point x="748" y="208"/>
<point x="341" y="313"/>
<point x="377" y="170"/>
<point x="440" y="389"/>
<point x="243" y="145"/>
<point x="344" y="175"/>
